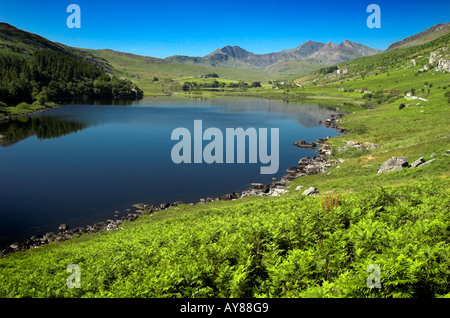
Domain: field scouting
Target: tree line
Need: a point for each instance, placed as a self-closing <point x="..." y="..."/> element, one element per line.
<point x="54" y="77"/>
<point x="194" y="86"/>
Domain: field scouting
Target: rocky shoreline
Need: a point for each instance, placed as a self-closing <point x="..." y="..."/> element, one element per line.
<point x="306" y="166"/>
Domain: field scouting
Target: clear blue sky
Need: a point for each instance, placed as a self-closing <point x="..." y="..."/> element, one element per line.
<point x="189" y="27"/>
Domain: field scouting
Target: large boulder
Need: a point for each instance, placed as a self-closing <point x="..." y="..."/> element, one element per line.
<point x="393" y="164"/>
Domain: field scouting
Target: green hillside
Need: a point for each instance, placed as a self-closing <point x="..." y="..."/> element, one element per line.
<point x="25" y="43"/>
<point x="36" y="73"/>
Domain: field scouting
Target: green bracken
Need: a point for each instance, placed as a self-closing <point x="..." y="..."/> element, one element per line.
<point x="284" y="247"/>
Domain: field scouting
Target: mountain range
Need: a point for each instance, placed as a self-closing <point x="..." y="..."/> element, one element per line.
<point x="306" y="57"/>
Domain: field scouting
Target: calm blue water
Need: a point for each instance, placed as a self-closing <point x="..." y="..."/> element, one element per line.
<point x="77" y="164"/>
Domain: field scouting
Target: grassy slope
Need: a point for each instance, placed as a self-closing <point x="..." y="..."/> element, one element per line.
<point x="288" y="246"/>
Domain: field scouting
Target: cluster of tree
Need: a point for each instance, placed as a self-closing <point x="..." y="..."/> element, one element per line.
<point x="194" y="86"/>
<point x="328" y="70"/>
<point x="381" y="96"/>
<point x="54" y="77"/>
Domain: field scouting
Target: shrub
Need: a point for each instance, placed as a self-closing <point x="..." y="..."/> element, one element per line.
<point x="359" y="129"/>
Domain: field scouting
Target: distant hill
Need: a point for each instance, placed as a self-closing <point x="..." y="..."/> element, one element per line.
<point x="428" y="35"/>
<point x="36" y="72"/>
<point x="304" y="58"/>
<point x="18" y="41"/>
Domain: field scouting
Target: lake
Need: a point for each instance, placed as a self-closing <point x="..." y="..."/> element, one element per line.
<point x="77" y="164"/>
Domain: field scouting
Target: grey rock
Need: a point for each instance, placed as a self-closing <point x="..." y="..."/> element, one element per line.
<point x="100" y="226"/>
<point x="304" y="144"/>
<point x="14" y="246"/>
<point x="139" y="206"/>
<point x="36" y="237"/>
<point x="427" y="162"/>
<point x="310" y="191"/>
<point x="393" y="164"/>
<point x="418" y="162"/>
<point x="226" y="197"/>
<point x="164" y="206"/>
<point x="111" y="226"/>
<point x="292" y="170"/>
<point x="256" y="185"/>
<point x="63" y="227"/>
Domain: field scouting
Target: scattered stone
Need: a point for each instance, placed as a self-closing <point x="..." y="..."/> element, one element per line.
<point x="352" y="144"/>
<point x="298" y="188"/>
<point x="393" y="164"/>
